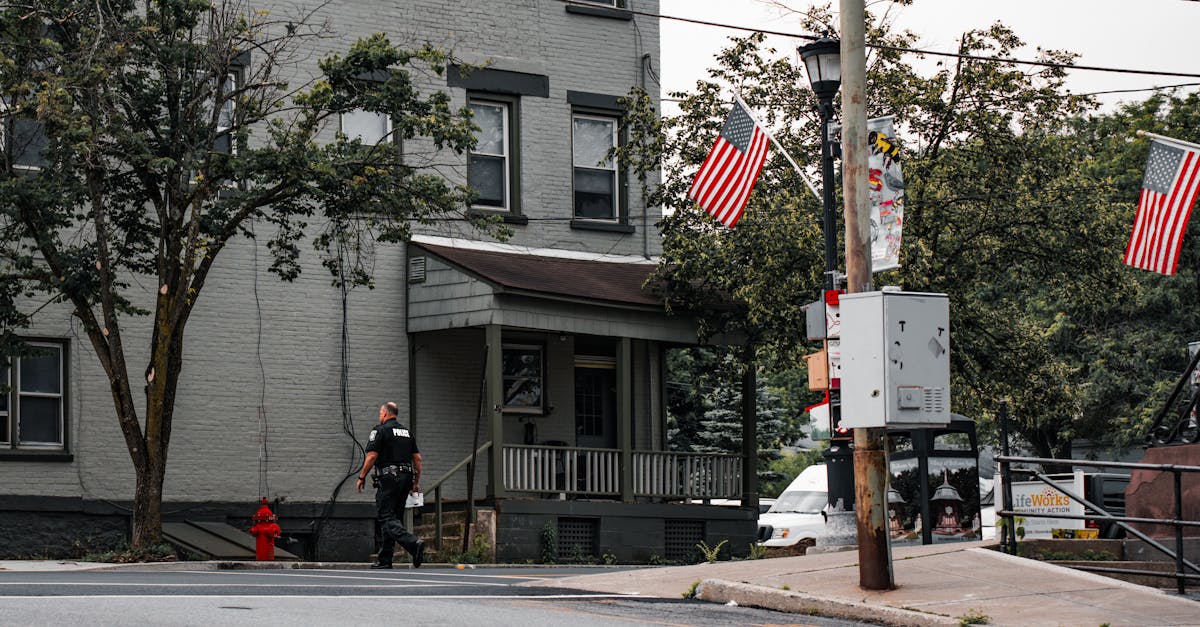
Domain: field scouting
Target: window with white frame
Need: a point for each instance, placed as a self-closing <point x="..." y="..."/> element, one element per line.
<point x="488" y="171"/>
<point x="595" y="173"/>
<point x="369" y="127"/>
<point x="32" y="409"/>
<point x="225" y="143"/>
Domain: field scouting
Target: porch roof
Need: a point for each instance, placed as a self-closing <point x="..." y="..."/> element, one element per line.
<point x="606" y="281"/>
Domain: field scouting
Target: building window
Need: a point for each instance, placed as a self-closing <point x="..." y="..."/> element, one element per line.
<point x="24" y="141"/>
<point x="32" y="409"/>
<point x="491" y="169"/>
<point x="369" y="127"/>
<point x="595" y="174"/>
<point x="522" y="366"/>
<point x="225" y="143"/>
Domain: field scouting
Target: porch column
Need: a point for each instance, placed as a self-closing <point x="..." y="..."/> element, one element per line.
<point x="495" y="403"/>
<point x="749" y="430"/>
<point x="624" y="416"/>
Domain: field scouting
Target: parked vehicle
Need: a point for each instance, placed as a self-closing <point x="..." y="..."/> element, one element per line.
<point x="797" y="513"/>
<point x="763" y="504"/>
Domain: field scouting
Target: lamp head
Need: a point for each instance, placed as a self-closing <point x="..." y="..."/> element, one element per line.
<point x="822" y="58"/>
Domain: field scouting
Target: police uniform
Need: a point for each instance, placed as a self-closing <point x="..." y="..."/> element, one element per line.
<point x="395" y="446"/>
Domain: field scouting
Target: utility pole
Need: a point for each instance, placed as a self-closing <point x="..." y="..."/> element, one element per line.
<point x="870" y="453"/>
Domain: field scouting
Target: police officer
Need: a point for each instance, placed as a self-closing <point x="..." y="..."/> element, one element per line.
<point x="392" y="451"/>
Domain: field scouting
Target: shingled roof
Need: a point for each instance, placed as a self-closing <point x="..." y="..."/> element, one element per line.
<point x="608" y="281"/>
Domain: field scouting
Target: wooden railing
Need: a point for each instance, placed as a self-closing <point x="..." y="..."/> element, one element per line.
<point x="562" y="469"/>
<point x="550" y="470"/>
<point x="688" y="475"/>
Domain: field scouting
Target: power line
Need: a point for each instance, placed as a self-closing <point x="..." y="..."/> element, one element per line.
<point x="811" y="37"/>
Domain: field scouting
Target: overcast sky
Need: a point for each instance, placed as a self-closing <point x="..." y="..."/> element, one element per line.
<point x="1162" y="35"/>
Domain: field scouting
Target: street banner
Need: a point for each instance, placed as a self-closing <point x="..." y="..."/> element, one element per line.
<point x="886" y="194"/>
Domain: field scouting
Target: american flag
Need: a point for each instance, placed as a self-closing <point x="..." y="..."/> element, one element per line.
<point x="1168" y="192"/>
<point x="723" y="184"/>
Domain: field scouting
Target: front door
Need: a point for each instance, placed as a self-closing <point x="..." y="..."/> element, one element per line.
<point x="595" y="402"/>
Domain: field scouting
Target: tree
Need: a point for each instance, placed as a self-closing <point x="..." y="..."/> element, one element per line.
<point x="1017" y="206"/>
<point x="165" y="130"/>
<point x="704" y="407"/>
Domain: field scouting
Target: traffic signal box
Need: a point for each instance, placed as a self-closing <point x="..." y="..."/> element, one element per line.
<point x="895" y="360"/>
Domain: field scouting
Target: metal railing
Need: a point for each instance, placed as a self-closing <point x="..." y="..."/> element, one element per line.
<point x="1008" y="538"/>
<point x="436" y="489"/>
<point x="597" y="472"/>
<point x="688" y="475"/>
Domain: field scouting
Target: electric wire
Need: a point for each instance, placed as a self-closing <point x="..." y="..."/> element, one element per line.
<point x="812" y="37"/>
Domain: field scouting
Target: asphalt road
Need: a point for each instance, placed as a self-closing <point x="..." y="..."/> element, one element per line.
<point x="296" y="598"/>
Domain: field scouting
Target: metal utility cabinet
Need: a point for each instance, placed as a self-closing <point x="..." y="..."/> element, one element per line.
<point x="895" y="359"/>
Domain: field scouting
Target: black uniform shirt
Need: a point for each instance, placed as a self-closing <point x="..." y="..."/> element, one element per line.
<point x="393" y="442"/>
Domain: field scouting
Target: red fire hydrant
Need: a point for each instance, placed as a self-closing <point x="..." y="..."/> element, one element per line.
<point x="265" y="531"/>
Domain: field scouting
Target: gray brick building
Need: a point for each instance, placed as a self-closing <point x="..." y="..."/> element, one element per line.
<point x="545" y="346"/>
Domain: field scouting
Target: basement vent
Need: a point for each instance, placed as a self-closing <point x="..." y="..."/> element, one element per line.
<point x="682" y="536"/>
<point x="577" y="538"/>
<point x="416" y="270"/>
<point x="935" y="401"/>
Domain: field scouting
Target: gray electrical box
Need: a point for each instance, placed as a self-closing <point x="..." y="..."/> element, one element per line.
<point x="895" y="360"/>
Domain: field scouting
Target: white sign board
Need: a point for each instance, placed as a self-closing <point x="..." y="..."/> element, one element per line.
<point x="1037" y="497"/>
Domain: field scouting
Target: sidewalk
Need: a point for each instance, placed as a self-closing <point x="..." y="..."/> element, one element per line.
<point x="936" y="585"/>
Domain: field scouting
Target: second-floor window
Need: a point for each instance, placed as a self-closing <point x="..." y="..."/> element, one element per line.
<point x="23" y="140"/>
<point x="32" y="411"/>
<point x="488" y="171"/>
<point x="368" y="126"/>
<point x="225" y="143"/>
<point x="595" y="173"/>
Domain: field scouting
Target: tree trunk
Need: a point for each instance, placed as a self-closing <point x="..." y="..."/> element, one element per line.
<point x="147" y="505"/>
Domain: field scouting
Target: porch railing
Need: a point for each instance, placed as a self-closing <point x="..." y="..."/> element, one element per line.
<point x="688" y="475"/>
<point x="597" y="472"/>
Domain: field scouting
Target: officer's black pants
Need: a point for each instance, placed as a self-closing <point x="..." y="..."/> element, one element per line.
<point x="389" y="505"/>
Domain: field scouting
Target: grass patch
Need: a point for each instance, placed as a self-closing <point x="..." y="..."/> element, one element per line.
<point x="974" y="617"/>
<point x="128" y="554"/>
<point x="690" y="593"/>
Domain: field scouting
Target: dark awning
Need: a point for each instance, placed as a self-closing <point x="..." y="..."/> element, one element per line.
<point x="608" y="281"/>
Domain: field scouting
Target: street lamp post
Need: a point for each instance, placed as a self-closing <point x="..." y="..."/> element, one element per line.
<point x="822" y="60"/>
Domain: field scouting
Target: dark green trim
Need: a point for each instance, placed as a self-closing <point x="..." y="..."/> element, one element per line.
<point x="600" y="11"/>
<point x="609" y="104"/>
<point x="585" y="224"/>
<point x="514" y="153"/>
<point x="508" y="217"/>
<point x="36" y="456"/>
<point x="499" y="81"/>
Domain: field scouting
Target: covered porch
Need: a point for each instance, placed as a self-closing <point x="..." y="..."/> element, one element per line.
<point x="553" y="368"/>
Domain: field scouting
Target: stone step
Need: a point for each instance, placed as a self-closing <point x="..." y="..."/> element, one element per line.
<point x="447" y="517"/>
<point x="1142" y="580"/>
<point x="428" y="531"/>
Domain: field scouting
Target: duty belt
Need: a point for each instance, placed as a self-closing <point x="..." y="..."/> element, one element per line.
<point x="395" y="469"/>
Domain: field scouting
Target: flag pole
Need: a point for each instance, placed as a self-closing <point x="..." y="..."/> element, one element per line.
<point x="1164" y="138"/>
<point x="778" y="145"/>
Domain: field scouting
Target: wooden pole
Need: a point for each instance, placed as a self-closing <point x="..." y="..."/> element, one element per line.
<point x="870" y="451"/>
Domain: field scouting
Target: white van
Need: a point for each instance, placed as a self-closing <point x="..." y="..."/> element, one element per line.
<point x="796" y="514"/>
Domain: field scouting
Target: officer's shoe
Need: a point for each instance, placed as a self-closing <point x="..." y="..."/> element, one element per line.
<point x="379" y="565"/>
<point x="418" y="555"/>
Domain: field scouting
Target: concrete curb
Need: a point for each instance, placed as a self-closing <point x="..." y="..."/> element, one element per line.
<point x="217" y="565"/>
<point x="719" y="591"/>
